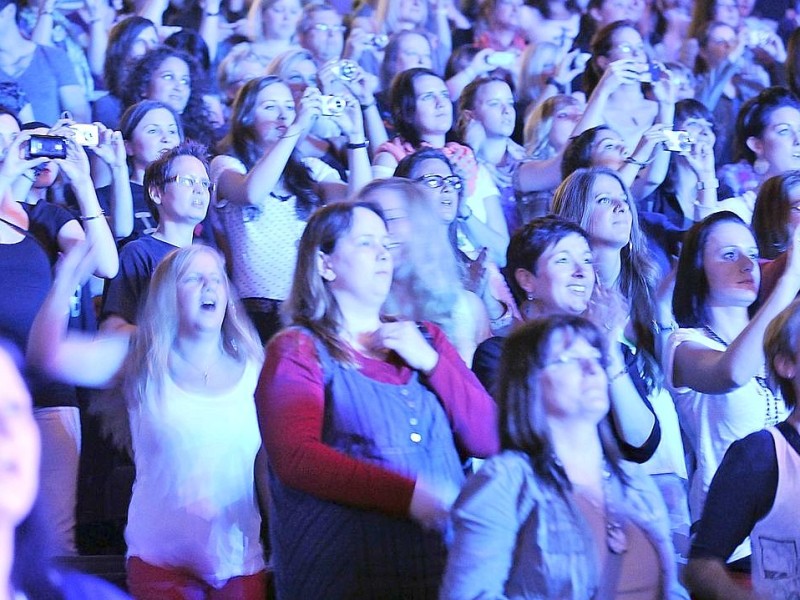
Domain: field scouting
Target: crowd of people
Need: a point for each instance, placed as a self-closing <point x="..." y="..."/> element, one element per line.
<point x="401" y="299"/>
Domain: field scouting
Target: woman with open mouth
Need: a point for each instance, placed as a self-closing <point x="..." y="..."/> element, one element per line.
<point x="182" y="400"/>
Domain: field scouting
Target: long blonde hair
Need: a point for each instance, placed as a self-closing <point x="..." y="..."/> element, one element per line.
<point x="157" y="329"/>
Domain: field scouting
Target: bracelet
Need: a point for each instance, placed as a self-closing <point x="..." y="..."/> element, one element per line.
<point x="92" y="217"/>
<point x="619" y="375"/>
<point x="46" y="13"/>
<point x="467" y="218"/>
<point x="351" y="146"/>
<point x="711" y="184"/>
<point x="639" y="163"/>
<point x="366" y="106"/>
<point x="210" y="14"/>
<point x="560" y="87"/>
<point x="287" y="136"/>
<point x="658" y="328"/>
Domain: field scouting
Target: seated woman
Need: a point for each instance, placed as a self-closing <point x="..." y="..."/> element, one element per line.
<point x="557" y="514"/>
<point x="715" y="362"/>
<point x="265" y="192"/>
<point x="755" y="489"/>
<point x="363" y="421"/>
<point x="426" y="285"/>
<point x="185" y="380"/>
<point x="423" y="115"/>
<point x="29" y="572"/>
<point x="767" y="142"/>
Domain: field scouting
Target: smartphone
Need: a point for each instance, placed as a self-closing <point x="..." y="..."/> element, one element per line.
<point x="501" y="59"/>
<point x="47" y="146"/>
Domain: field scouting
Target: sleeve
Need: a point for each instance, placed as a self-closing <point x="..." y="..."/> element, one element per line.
<point x="290" y="400"/>
<point x="469" y="407"/>
<point x="219" y="165"/>
<point x="643" y="453"/>
<point x="486" y="522"/>
<point x="321" y="171"/>
<point x="741" y="493"/>
<point x="125" y="292"/>
<point x="486" y="362"/>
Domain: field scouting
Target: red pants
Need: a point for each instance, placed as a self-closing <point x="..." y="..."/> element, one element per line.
<point x="148" y="582"/>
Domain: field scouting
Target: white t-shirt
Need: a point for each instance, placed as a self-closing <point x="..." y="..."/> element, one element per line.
<point x="262" y="238"/>
<point x="712" y="422"/>
<point x="194" y="504"/>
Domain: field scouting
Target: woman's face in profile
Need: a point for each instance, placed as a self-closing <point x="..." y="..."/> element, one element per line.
<point x="19" y="446"/>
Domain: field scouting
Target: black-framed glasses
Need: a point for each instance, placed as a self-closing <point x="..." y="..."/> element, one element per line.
<point x="190" y="181"/>
<point x="436" y="182"/>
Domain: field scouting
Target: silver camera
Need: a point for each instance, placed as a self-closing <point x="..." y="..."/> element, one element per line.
<point x="332" y="105"/>
<point x="379" y="40"/>
<point x="346" y="70"/>
<point x="678" y="141"/>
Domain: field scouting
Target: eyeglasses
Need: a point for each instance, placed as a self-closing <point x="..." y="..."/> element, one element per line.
<point x="591" y="362"/>
<point x="190" y="181"/>
<point x="323" y="28"/>
<point x="436" y="182"/>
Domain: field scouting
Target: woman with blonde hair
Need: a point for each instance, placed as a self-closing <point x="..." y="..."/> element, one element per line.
<point x="186" y="377"/>
<point x="427" y="276"/>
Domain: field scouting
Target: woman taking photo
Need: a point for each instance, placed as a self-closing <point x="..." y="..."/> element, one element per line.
<point x="189" y="369"/>
<point x="265" y="192"/>
<point x="715" y="362"/>
<point x="362" y="420"/>
<point x="557" y="514"/>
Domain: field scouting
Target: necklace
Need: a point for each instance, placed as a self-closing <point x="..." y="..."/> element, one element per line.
<point x="616" y="537"/>
<point x="203" y="371"/>
<point x="772" y="412"/>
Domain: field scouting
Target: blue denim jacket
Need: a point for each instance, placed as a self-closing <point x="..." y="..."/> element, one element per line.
<point x="518" y="538"/>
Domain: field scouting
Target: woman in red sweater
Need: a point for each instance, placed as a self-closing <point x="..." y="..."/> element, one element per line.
<point x="365" y="423"/>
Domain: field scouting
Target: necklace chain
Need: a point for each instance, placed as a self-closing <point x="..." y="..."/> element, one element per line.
<point x="772" y="412"/>
<point x="202" y="371"/>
